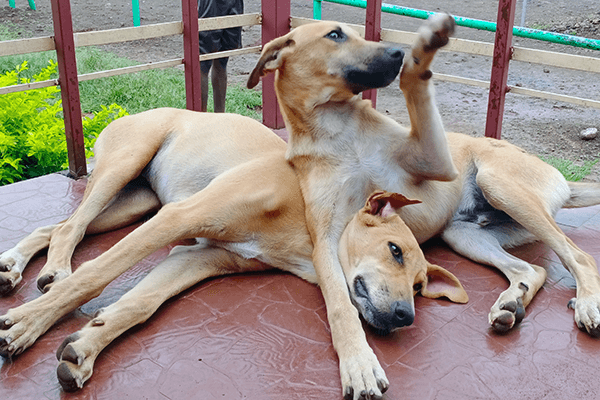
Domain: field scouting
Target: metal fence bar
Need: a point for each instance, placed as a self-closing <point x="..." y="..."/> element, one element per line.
<point x="373" y="33"/>
<point x="500" y="63"/>
<point x="317" y="7"/>
<point x="69" y="86"/>
<point x="135" y="12"/>
<point x="276" y="22"/>
<point x="191" y="55"/>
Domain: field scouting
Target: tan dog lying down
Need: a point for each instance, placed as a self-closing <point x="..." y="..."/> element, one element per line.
<point x="225" y="179"/>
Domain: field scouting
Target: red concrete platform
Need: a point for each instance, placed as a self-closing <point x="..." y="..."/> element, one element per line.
<point x="265" y="336"/>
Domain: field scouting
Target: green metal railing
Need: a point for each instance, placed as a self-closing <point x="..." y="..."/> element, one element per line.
<point x="12" y="4"/>
<point x="528" y="33"/>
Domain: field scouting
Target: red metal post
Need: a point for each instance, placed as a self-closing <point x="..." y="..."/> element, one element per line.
<point x="69" y="85"/>
<point x="191" y="55"/>
<point x="373" y="32"/>
<point x="275" y="23"/>
<point x="502" y="55"/>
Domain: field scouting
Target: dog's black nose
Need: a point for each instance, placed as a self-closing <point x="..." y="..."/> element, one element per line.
<point x="403" y="313"/>
<point x="395" y="53"/>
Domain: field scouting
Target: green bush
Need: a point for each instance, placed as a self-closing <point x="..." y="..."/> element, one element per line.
<point x="32" y="133"/>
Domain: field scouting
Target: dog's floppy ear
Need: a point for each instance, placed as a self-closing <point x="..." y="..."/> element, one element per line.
<point x="443" y="283"/>
<point x="270" y="59"/>
<point x="385" y="204"/>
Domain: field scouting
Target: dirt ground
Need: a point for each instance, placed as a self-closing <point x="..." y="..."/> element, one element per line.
<point x="540" y="126"/>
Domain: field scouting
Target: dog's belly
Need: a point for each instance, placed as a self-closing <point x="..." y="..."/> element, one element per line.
<point x="476" y="210"/>
<point x="294" y="263"/>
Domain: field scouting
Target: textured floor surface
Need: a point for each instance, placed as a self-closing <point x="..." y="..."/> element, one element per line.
<point x="265" y="336"/>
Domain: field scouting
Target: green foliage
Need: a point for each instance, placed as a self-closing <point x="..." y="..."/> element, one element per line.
<point x="31" y="127"/>
<point x="32" y="133"/>
<point x="570" y="170"/>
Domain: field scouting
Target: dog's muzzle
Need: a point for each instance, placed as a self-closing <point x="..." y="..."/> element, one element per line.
<point x="379" y="72"/>
<point x="401" y="313"/>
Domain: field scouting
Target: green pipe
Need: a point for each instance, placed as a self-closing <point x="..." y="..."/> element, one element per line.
<point x="482" y="25"/>
<point x="135" y="9"/>
<point x="316" y="9"/>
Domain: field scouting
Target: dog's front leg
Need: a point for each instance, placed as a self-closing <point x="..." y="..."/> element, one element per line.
<point x="426" y="154"/>
<point x="184" y="267"/>
<point x="327" y="213"/>
<point x="14" y="261"/>
<point x="362" y="376"/>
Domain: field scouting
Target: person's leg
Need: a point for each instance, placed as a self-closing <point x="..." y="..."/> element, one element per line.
<point x="204" y="70"/>
<point x="219" y="83"/>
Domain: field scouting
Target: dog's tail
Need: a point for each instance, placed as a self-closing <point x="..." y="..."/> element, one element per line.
<point x="583" y="194"/>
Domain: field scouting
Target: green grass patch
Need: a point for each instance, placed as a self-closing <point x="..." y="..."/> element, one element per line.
<point x="570" y="170"/>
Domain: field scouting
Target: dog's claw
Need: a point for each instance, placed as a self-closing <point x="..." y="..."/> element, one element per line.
<point x="587" y="313"/>
<point x="348" y="393"/>
<point x="67" y="380"/>
<point x="44" y="281"/>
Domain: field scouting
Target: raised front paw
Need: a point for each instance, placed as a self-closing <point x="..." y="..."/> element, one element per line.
<point x="363" y="377"/>
<point x="10" y="272"/>
<point x="436" y="32"/>
<point x="587" y="313"/>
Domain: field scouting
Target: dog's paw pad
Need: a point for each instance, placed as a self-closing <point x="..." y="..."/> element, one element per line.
<point x="442" y="28"/>
<point x="503" y="322"/>
<point x="67" y="379"/>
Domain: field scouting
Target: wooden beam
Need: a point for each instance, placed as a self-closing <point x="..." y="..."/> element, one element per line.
<point x="191" y="55"/>
<point x="275" y="23"/>
<point x="372" y="33"/>
<point x="69" y="86"/>
<point x="500" y="63"/>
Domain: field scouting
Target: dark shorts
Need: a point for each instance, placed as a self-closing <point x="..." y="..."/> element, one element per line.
<point x="219" y="39"/>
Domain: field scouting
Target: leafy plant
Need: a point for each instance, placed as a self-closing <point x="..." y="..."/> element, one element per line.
<point x="32" y="133"/>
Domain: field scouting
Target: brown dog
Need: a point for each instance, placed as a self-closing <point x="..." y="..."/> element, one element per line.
<point x="497" y="196"/>
<point x="223" y="179"/>
<point x="341" y="150"/>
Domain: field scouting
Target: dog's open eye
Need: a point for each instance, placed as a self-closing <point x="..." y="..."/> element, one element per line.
<point x="417" y="287"/>
<point x="396" y="252"/>
<point x="336" y="35"/>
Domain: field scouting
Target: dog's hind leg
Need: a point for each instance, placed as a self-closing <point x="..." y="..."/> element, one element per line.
<point x="481" y="245"/>
<point x="426" y="154"/>
<point x="184" y="267"/>
<point x="531" y="209"/>
<point x="119" y="161"/>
